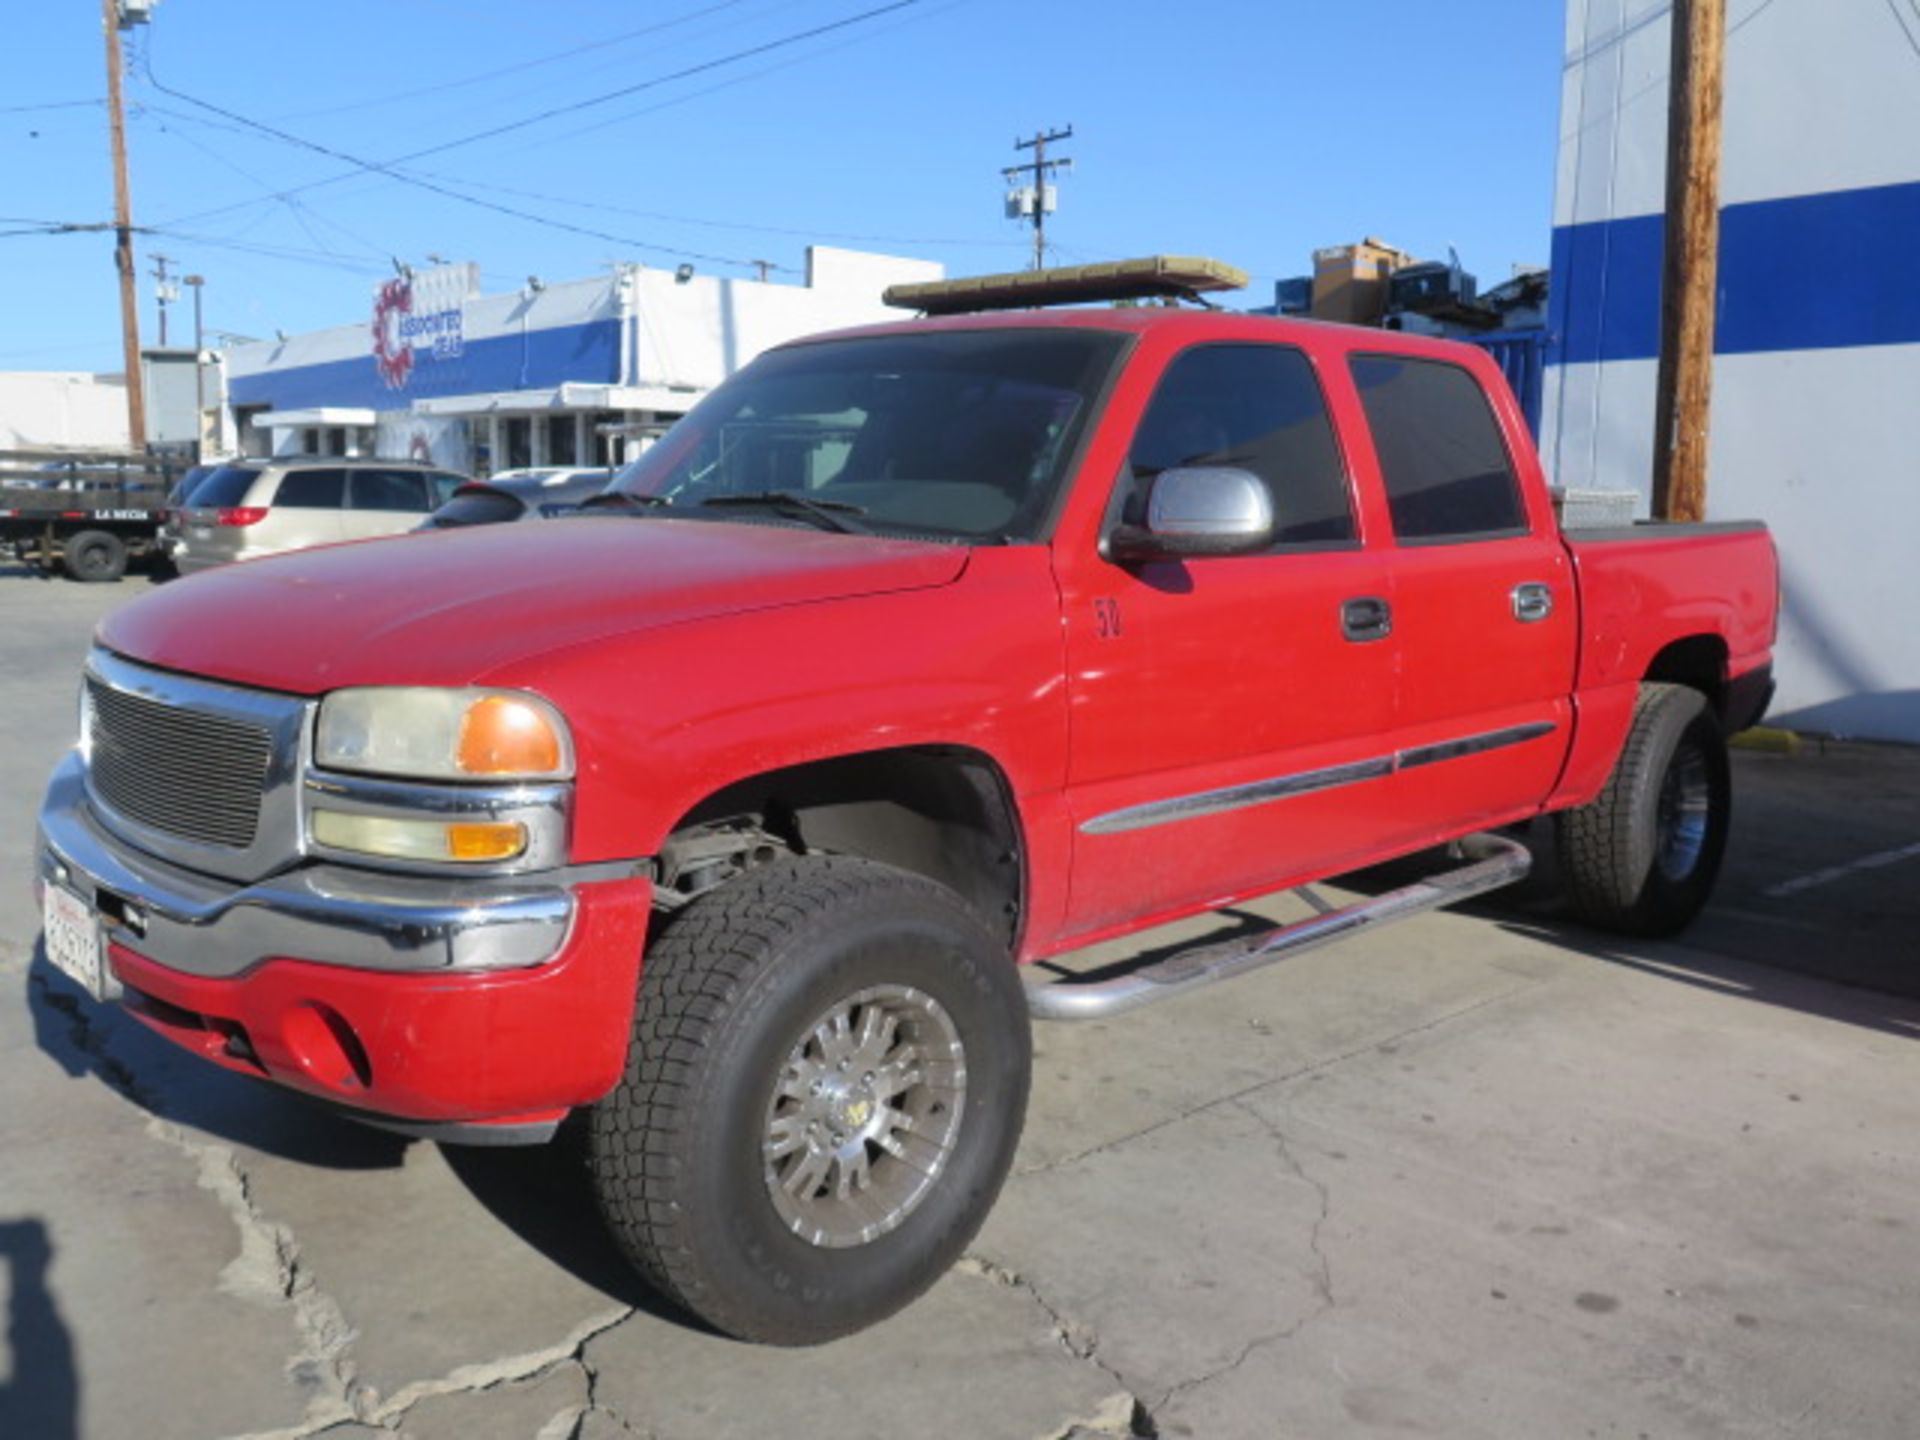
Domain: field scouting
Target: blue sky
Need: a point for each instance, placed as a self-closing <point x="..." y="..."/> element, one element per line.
<point x="1247" y="130"/>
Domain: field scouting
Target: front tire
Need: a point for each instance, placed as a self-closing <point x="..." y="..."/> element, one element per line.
<point x="1642" y="858"/>
<point x="826" y="1083"/>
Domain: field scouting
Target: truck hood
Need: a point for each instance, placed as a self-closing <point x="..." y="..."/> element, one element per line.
<point x="450" y="607"/>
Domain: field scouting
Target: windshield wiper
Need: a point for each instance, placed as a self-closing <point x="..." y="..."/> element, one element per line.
<point x="607" y="499"/>
<point x="831" y="514"/>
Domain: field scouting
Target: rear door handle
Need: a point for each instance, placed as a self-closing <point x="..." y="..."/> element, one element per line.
<point x="1366" y="617"/>
<point x="1532" y="601"/>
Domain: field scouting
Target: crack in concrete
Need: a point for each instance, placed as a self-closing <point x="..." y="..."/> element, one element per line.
<point x="268" y="1271"/>
<point x="530" y="1365"/>
<point x="368" y="1408"/>
<point x="1324" y="1279"/>
<point x="1118" y="1417"/>
<point x="1079" y="1341"/>
<point x="1322" y="1275"/>
<point x="1236" y="1096"/>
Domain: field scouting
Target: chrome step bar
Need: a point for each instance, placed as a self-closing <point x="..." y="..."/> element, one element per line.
<point x="1494" y="861"/>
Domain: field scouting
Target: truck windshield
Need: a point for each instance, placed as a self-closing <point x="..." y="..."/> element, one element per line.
<point x="960" y="433"/>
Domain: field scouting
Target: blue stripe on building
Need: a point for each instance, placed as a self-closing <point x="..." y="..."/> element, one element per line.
<point x="1808" y="272"/>
<point x="537" y="360"/>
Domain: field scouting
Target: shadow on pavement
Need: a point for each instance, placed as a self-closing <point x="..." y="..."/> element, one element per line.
<point x="543" y="1195"/>
<point x="101" y="1041"/>
<point x="41" y="1396"/>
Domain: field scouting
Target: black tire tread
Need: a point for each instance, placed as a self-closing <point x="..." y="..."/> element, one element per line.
<point x="696" y="969"/>
<point x="1604" y="878"/>
<point x="80" y="542"/>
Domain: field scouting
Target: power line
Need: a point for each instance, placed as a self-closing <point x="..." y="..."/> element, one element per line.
<point x="627" y="115"/>
<point x="48" y="105"/>
<point x="743" y="226"/>
<point x="387" y="167"/>
<point x="524" y="65"/>
<point x="404" y="178"/>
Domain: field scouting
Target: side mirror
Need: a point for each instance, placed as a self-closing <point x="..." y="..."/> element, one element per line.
<point x="1198" y="510"/>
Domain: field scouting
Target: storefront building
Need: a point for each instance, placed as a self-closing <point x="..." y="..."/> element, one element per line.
<point x="581" y="372"/>
<point x="1817" y="334"/>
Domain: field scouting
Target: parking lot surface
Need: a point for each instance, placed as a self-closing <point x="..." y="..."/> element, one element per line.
<point x="1485" y="1174"/>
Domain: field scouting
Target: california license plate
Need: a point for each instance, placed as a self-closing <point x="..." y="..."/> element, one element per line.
<point x="73" y="939"/>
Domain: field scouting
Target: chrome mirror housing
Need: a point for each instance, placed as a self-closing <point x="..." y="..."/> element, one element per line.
<point x="1198" y="510"/>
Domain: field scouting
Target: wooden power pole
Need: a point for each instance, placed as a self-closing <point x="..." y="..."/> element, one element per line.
<point x="1684" y="387"/>
<point x="123" y="234"/>
<point x="1041" y="168"/>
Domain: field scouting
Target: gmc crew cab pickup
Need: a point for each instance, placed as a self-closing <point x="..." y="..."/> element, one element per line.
<point x="726" y="810"/>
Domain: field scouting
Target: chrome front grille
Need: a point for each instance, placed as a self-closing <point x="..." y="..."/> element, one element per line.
<point x="181" y="771"/>
<point x="198" y="772"/>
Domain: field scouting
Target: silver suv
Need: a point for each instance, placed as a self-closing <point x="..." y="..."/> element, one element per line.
<point x="250" y="508"/>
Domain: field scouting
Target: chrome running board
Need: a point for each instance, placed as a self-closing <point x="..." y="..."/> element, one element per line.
<point x="1493" y="861"/>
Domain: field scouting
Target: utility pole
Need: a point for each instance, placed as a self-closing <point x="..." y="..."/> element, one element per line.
<point x="1040" y="167"/>
<point x="163" y="292"/>
<point x="194" y="282"/>
<point x="1683" y="389"/>
<point x="123" y="232"/>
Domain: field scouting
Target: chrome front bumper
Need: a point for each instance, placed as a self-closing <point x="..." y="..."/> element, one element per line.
<point x="332" y="914"/>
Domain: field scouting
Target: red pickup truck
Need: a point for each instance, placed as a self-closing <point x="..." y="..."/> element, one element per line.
<point x="724" y="811"/>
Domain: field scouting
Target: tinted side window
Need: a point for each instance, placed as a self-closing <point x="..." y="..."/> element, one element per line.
<point x="1445" y="466"/>
<point x="388" y="490"/>
<point x="1257" y="408"/>
<point x="312" y="489"/>
<point x="444" y="485"/>
<point x="226" y="486"/>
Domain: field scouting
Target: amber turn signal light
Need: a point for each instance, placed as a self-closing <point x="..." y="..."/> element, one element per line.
<point x="500" y="735"/>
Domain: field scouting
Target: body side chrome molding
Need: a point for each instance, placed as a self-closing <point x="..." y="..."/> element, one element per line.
<point x="1280" y="787"/>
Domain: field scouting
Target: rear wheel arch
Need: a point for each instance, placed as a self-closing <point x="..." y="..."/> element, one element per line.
<point x="945" y="812"/>
<point x="1698" y="662"/>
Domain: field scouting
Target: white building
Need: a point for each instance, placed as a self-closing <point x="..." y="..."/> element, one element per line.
<point x="62" y="410"/>
<point x="1816" y="425"/>
<point x="556" y="374"/>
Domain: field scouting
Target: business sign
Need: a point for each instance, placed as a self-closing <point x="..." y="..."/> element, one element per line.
<point x="419" y="318"/>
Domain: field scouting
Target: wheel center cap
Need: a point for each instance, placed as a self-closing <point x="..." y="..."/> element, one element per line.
<point x="855" y="1111"/>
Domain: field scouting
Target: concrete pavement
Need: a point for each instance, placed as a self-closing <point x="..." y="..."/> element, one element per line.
<point x="1482" y="1175"/>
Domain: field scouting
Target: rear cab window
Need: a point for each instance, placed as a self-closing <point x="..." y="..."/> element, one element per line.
<point x="1253" y="407"/>
<point x="1445" y="465"/>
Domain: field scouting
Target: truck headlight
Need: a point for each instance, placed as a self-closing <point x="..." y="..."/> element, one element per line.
<point x="435" y="734"/>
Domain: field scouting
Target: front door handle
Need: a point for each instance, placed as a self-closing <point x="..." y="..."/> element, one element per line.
<point x="1532" y="601"/>
<point x="1366" y="617"/>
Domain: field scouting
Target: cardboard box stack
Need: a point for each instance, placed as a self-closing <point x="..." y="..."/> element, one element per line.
<point x="1350" y="281"/>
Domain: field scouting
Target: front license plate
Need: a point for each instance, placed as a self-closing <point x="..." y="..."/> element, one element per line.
<point x="73" y="940"/>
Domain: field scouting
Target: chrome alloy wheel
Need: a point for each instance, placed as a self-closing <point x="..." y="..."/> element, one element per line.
<point x="863" y="1115"/>
<point x="1685" y="803"/>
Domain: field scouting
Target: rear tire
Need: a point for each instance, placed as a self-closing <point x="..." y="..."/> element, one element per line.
<point x="826" y="1083"/>
<point x="91" y="556"/>
<point x="1642" y="858"/>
